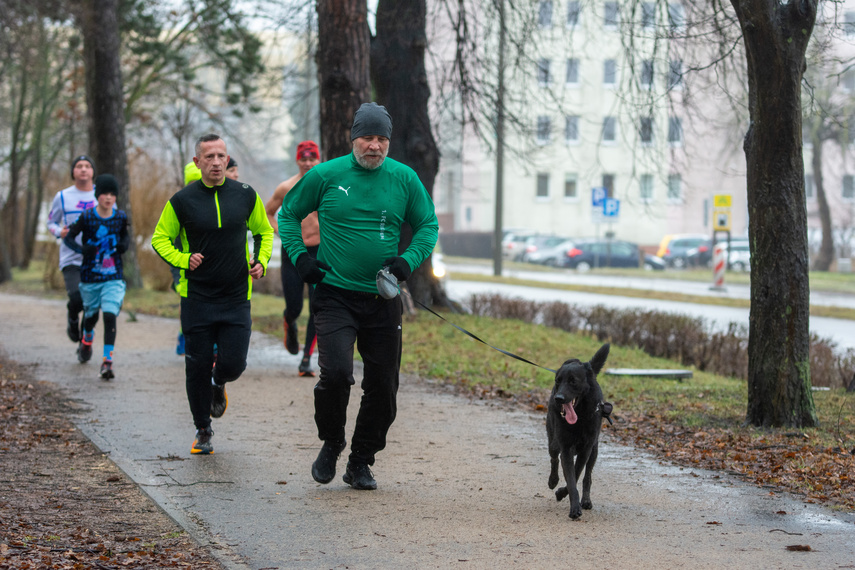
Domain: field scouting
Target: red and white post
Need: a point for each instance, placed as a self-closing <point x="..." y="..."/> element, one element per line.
<point x="719" y="265"/>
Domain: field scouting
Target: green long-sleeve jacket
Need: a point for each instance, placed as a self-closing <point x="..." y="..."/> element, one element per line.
<point x="360" y="213"/>
<point x="214" y="222"/>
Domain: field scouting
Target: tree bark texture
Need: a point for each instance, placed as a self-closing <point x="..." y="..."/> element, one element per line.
<point x="823" y="260"/>
<point x="399" y="78"/>
<point x="343" y="76"/>
<point x="779" y="389"/>
<point x="105" y="107"/>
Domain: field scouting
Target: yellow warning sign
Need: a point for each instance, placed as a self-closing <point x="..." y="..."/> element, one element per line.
<point x="722" y="201"/>
<point x="721" y="219"/>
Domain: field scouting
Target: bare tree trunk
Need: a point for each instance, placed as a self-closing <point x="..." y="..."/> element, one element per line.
<point x="400" y="80"/>
<point x="105" y="106"/>
<point x="779" y="390"/>
<point x="826" y="249"/>
<point x="343" y="77"/>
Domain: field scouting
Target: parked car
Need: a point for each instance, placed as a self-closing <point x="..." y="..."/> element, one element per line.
<point x="702" y="256"/>
<point x="738" y="256"/>
<point x="513" y="243"/>
<point x="535" y="243"/>
<point x="586" y="254"/>
<point x="552" y="255"/>
<point x="675" y="248"/>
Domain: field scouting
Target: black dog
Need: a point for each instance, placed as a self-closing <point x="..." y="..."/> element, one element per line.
<point x="573" y="422"/>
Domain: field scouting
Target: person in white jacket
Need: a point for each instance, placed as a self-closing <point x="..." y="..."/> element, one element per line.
<point x="67" y="206"/>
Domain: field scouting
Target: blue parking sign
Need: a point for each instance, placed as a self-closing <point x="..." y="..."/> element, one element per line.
<point x="611" y="208"/>
<point x="598" y="196"/>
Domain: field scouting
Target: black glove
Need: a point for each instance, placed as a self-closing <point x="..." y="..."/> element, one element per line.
<point x="398" y="267"/>
<point x="309" y="269"/>
<point x="89" y="249"/>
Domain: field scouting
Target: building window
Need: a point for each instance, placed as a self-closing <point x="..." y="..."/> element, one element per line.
<point x="544" y="128"/>
<point x="544" y="15"/>
<point x="610" y="72"/>
<point x="646" y="130"/>
<point x="848" y="187"/>
<point x="609" y="185"/>
<point x="675" y="74"/>
<point x="675" y="187"/>
<point x="610" y="15"/>
<point x="571" y="129"/>
<point x="542" y="185"/>
<point x="676" y="17"/>
<point x="571" y="186"/>
<point x="647" y="73"/>
<point x="572" y="71"/>
<point x="675" y="130"/>
<point x="573" y="14"/>
<point x="609" y="129"/>
<point x="849" y="23"/>
<point x="543" y="76"/>
<point x="809" y="186"/>
<point x="645" y="187"/>
<point x="648" y="15"/>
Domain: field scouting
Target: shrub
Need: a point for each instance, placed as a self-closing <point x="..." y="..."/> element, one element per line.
<point x="691" y="341"/>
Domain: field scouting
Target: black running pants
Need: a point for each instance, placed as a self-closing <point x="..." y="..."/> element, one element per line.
<point x="292" y="290"/>
<point x="373" y="324"/>
<point x="229" y="326"/>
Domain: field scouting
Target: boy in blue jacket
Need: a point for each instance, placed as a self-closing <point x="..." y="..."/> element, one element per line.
<point x="106" y="237"/>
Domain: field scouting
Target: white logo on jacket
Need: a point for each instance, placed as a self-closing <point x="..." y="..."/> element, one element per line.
<point x="345" y="190"/>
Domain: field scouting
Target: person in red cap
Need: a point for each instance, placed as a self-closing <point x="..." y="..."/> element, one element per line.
<point x="308" y="156"/>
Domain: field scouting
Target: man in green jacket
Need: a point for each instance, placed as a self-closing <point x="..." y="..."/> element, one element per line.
<point x="211" y="217"/>
<point x="362" y="200"/>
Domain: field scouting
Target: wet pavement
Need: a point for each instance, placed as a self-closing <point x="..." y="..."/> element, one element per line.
<point x="462" y="482"/>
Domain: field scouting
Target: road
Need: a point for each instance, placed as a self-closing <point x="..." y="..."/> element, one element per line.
<point x="461" y="484"/>
<point x="840" y="331"/>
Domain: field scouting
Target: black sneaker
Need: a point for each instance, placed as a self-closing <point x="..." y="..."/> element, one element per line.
<point x="84" y="351"/>
<point x="202" y="444"/>
<point x="220" y="401"/>
<point x="73" y="330"/>
<point x="359" y="476"/>
<point x="323" y="469"/>
<point x="292" y="345"/>
<point x="305" y="368"/>
<point x="107" y="370"/>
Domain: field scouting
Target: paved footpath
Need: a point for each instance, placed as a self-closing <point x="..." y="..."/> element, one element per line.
<point x="462" y="483"/>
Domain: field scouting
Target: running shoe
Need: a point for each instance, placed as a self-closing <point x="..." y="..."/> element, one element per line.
<point x="73" y="330"/>
<point x="359" y="476"/>
<point x="220" y="401"/>
<point x="179" y="348"/>
<point x="305" y="368"/>
<point x="84" y="351"/>
<point x="202" y="444"/>
<point x="292" y="345"/>
<point x="107" y="370"/>
<point x="323" y="469"/>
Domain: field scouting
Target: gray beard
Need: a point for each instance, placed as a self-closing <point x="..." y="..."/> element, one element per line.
<point x="361" y="160"/>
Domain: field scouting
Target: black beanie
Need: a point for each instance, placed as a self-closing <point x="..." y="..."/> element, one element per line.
<point x="232" y="163"/>
<point x="106" y="184"/>
<point x="371" y="119"/>
<point x="78" y="159"/>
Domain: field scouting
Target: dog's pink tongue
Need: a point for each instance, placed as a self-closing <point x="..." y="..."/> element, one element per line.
<point x="570" y="414"/>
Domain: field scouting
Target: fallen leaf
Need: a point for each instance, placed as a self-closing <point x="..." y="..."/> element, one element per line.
<point x="799" y="548"/>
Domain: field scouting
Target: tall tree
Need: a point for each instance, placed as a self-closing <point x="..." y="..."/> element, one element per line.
<point x="776" y="37"/>
<point x="400" y="80"/>
<point x="99" y="23"/>
<point x="343" y="70"/>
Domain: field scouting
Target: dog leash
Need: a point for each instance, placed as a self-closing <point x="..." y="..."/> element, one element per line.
<point x="385" y="275"/>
